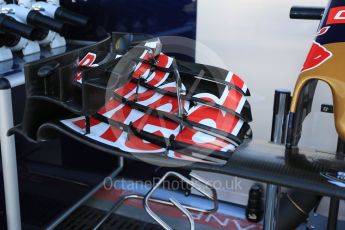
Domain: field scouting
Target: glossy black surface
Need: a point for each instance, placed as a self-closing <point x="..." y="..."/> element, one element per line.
<point x="258" y="161"/>
<point x="160" y="18"/>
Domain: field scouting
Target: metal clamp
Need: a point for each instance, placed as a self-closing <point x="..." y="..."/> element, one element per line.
<point x="199" y="184"/>
<point x="172" y="202"/>
<point x="212" y="194"/>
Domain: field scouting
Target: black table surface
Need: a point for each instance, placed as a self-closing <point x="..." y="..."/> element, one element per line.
<point x="259" y="161"/>
<point x="267" y="162"/>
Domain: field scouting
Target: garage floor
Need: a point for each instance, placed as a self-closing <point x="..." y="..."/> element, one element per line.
<point x="86" y="217"/>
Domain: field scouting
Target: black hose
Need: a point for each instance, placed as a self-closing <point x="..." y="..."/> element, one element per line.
<point x="12" y="26"/>
<point x="309" y="13"/>
<point x="9" y="40"/>
<point x="295" y="207"/>
<point x="35" y="18"/>
<point x="71" y="17"/>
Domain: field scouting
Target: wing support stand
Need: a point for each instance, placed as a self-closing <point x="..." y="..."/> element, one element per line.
<point x="8" y="154"/>
<point x="282" y="100"/>
<point x="197" y="183"/>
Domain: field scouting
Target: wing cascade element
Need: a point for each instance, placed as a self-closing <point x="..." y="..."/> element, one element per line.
<point x="141" y="101"/>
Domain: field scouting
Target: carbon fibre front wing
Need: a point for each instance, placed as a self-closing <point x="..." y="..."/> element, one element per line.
<point x="137" y="100"/>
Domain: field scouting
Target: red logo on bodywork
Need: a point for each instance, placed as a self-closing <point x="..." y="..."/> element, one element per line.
<point x="317" y="56"/>
<point x="88" y="60"/>
<point x="323" y="30"/>
<point x="336" y="15"/>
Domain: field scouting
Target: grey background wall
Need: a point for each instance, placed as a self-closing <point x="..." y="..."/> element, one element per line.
<point x="257" y="40"/>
